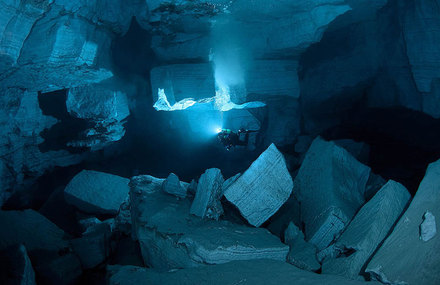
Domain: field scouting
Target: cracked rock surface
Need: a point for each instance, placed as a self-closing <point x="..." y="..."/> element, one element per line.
<point x="170" y="237"/>
<point x="367" y="230"/>
<point x="403" y="257"/>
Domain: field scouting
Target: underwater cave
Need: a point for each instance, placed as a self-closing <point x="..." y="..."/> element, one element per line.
<point x="219" y="142"/>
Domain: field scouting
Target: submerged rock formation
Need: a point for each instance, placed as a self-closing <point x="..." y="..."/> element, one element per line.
<point x="19" y="227"/>
<point x="172" y="186"/>
<point x="79" y="81"/>
<point x="16" y="266"/>
<point x="301" y="254"/>
<point x="330" y="186"/>
<point x="367" y="230"/>
<point x="403" y="257"/>
<point x="97" y="192"/>
<point x="209" y="191"/>
<point x="241" y="272"/>
<point x="171" y="238"/>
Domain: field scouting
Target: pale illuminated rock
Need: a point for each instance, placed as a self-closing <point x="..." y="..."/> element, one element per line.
<point x="263" y="188"/>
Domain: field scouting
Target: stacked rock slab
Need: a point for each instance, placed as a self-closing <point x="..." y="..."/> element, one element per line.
<point x="330" y="186"/>
<point x="404" y="258"/>
<point x="209" y="191"/>
<point x="302" y="254"/>
<point x="170" y="237"/>
<point x="248" y="272"/>
<point x="368" y="229"/>
<point x="103" y="105"/>
<point x="97" y="192"/>
<point x="263" y="188"/>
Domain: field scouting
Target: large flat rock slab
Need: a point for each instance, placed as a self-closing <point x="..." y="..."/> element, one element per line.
<point x="31" y="229"/>
<point x="263" y="188"/>
<point x="404" y="258"/>
<point x="267" y="272"/>
<point x="97" y="192"/>
<point x="330" y="186"/>
<point x="170" y="237"/>
<point x="368" y="229"/>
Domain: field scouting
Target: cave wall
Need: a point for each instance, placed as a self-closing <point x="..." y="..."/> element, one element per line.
<point x="49" y="46"/>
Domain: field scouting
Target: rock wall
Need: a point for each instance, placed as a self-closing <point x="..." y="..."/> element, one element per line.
<point x="48" y="46"/>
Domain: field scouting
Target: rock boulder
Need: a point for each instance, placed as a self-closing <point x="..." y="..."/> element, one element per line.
<point x="263" y="188"/>
<point x="404" y="257"/>
<point x="209" y="191"/>
<point x="97" y="192"/>
<point x="367" y="230"/>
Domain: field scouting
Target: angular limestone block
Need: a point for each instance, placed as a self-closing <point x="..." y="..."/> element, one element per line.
<point x="330" y="186"/>
<point x="263" y="188"/>
<point x="403" y="257"/>
<point x="236" y="272"/>
<point x="172" y="186"/>
<point x="209" y="191"/>
<point x="301" y="254"/>
<point x="32" y="230"/>
<point x="367" y="230"/>
<point x="97" y="192"/>
<point x="170" y="237"/>
<point x="16" y="267"/>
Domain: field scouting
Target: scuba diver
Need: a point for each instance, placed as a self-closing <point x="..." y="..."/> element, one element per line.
<point x="231" y="139"/>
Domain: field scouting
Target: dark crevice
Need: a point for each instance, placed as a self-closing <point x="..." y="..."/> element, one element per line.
<point x="68" y="127"/>
<point x="402" y="142"/>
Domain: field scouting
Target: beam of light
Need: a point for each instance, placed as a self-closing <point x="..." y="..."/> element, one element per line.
<point x="218" y="130"/>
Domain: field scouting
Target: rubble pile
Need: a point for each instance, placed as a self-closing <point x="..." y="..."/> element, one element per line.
<point x="148" y="230"/>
